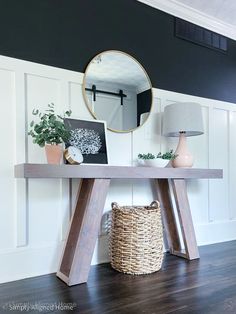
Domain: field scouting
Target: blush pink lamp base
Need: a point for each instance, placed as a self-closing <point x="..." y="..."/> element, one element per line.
<point x="184" y="158"/>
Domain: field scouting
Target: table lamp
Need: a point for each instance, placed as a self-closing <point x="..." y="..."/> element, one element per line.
<point x="182" y="119"/>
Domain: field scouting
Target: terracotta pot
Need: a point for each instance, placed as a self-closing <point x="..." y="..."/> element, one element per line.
<point x="53" y="153"/>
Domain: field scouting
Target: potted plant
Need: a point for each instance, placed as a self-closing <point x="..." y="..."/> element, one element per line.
<point x="159" y="160"/>
<point x="50" y="132"/>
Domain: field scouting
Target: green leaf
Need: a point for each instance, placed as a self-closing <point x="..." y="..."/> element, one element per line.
<point x="50" y="128"/>
<point x="38" y="128"/>
<point x="68" y="113"/>
<point x="51" y="106"/>
<point x="35" y="112"/>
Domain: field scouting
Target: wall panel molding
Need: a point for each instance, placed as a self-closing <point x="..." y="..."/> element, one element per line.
<point x="21" y="155"/>
<point x="37" y="216"/>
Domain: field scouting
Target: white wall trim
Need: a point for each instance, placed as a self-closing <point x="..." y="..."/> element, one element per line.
<point x="35" y="218"/>
<point x="192" y="15"/>
<point x="25" y="258"/>
<point x="227" y="232"/>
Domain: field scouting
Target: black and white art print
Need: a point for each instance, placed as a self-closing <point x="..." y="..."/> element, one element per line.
<point x="90" y="137"/>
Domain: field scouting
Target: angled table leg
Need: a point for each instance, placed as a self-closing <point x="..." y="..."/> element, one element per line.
<point x="185" y="218"/>
<point x="190" y="250"/>
<point x="83" y="232"/>
<point x="168" y="215"/>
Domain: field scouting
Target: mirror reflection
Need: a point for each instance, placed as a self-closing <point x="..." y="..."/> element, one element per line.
<point x="117" y="90"/>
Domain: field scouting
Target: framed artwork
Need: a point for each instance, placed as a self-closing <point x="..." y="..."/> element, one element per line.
<point x="89" y="136"/>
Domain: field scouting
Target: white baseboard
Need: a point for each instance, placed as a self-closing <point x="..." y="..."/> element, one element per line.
<point x="21" y="263"/>
<point x="30" y="262"/>
<point x="216" y="232"/>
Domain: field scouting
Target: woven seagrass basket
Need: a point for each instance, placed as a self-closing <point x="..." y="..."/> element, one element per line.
<point x="136" y="239"/>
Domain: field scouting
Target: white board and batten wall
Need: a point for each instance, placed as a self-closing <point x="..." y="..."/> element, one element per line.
<point x="35" y="213"/>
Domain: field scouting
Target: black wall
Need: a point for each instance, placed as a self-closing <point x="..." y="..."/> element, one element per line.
<point x="144" y="101"/>
<point x="68" y="33"/>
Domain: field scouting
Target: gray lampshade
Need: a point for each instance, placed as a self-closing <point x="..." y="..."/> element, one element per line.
<point x="182" y="117"/>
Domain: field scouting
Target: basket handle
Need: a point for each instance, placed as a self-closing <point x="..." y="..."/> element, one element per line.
<point x="114" y="205"/>
<point x="155" y="204"/>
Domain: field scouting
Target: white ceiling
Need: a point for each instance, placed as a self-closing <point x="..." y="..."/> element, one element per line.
<point x="216" y="15"/>
<point x="224" y="10"/>
<point x="117" y="68"/>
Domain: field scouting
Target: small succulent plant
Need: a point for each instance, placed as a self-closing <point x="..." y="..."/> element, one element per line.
<point x="168" y="155"/>
<point x="146" y="156"/>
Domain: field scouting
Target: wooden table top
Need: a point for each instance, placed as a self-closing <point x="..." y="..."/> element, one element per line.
<point x="28" y="170"/>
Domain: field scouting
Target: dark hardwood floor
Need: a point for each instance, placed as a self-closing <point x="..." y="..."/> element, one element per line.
<point x="201" y="286"/>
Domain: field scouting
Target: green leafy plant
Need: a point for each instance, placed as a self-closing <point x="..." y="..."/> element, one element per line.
<point x="168" y="155"/>
<point x="146" y="156"/>
<point x="50" y="129"/>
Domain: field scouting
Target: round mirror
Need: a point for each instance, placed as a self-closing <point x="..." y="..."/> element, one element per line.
<point x="117" y="89"/>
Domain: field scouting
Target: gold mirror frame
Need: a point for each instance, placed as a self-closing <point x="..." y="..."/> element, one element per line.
<point x="88" y="105"/>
